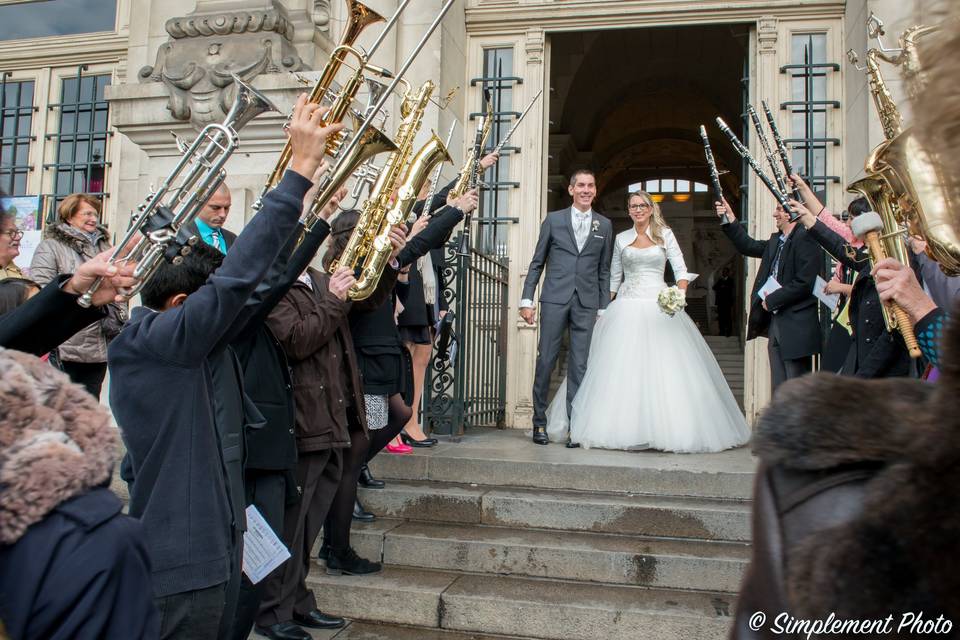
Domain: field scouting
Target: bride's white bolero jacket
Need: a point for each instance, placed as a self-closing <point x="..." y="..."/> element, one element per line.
<point x="670" y="246"/>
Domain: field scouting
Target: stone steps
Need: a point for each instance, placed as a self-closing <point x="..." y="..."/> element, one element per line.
<point x="587" y="557"/>
<point x="491" y="536"/>
<point x="369" y="631"/>
<point x="523" y="607"/>
<point x="727" y="474"/>
<point x="646" y="515"/>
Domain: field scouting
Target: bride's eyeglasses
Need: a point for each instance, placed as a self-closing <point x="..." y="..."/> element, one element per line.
<point x="638" y="207"/>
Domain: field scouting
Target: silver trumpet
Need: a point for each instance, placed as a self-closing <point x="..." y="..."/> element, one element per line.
<point x="158" y="228"/>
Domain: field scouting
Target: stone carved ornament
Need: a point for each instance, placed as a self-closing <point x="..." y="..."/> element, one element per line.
<point x="206" y="48"/>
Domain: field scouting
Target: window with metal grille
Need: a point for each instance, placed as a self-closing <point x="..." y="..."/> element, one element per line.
<point x="809" y="106"/>
<point x="81" y="139"/>
<point x="492" y="219"/>
<point x="16" y="121"/>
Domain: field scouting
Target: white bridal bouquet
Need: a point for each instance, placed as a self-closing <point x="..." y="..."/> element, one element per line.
<point x="671" y="300"/>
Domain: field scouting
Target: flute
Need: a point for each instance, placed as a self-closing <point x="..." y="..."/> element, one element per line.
<point x="767" y="182"/>
<point x="714" y="174"/>
<point x="517" y="123"/>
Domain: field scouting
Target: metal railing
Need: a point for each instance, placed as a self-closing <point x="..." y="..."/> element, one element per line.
<point x="469" y="388"/>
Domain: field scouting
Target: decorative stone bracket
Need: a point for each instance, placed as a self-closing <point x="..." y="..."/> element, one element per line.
<point x="207" y="46"/>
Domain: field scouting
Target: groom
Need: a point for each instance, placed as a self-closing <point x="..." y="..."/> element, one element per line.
<point x="575" y="245"/>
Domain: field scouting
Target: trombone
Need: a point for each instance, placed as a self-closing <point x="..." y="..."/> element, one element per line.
<point x="360" y="17"/>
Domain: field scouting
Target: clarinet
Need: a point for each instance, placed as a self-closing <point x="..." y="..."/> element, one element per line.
<point x="767" y="151"/>
<point x="767" y="182"/>
<point x="714" y="174"/>
<point x="473" y="180"/>
<point x="781" y="147"/>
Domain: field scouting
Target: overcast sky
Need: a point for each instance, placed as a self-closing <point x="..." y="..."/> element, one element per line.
<point x="56" y="18"/>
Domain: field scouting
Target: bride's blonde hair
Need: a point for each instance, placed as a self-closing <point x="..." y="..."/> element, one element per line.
<point x="657" y="224"/>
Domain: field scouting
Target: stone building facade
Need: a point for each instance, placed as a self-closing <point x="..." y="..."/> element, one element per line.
<point x="626" y="85"/>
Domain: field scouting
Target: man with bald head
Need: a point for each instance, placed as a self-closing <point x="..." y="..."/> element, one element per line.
<point x="209" y="222"/>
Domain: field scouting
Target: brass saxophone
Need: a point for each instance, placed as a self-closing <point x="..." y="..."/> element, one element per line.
<point x="368" y="248"/>
<point x="909" y="188"/>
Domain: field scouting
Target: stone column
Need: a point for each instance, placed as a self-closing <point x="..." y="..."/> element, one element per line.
<point x="767" y="84"/>
<point x="532" y="138"/>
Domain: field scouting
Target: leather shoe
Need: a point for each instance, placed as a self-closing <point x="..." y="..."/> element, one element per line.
<point x="540" y="435"/>
<point x="572" y="445"/>
<point x="350" y="563"/>
<point x="283" y="631"/>
<point x="367" y="480"/>
<point x="319" y="620"/>
<point x="413" y="442"/>
<point x="360" y="514"/>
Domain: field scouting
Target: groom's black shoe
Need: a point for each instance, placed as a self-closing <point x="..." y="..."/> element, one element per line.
<point x="540" y="435"/>
<point x="571" y="444"/>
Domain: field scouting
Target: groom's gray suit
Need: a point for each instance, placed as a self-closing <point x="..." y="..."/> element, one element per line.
<point x="575" y="287"/>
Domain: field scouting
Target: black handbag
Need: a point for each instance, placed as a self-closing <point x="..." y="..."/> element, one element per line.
<point x="446" y="343"/>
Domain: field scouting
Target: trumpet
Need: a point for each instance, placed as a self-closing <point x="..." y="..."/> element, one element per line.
<point x="164" y="214"/>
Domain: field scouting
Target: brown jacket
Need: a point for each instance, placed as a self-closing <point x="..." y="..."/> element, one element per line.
<point x="311" y="326"/>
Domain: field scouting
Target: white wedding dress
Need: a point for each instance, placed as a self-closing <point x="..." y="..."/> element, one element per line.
<point x="651" y="381"/>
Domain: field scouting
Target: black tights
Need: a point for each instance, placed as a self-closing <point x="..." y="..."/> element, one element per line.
<point x="336" y="530"/>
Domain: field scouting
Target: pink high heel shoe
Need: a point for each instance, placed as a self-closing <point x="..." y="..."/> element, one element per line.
<point x="398" y="448"/>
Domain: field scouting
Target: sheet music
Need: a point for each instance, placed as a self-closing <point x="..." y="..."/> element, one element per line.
<point x="262" y="549"/>
<point x="829" y="299"/>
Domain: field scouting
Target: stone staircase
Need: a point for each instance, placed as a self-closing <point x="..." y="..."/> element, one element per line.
<point x="495" y="536"/>
<point x="729" y="354"/>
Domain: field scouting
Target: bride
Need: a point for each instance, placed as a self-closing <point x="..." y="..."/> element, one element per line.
<point x="651" y="380"/>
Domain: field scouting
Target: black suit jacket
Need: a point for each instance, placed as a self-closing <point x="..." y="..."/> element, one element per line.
<point x="874" y="351"/>
<point x="794" y="303"/>
<point x="228" y="236"/>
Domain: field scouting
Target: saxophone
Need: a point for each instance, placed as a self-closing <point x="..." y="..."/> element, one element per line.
<point x="368" y="248"/>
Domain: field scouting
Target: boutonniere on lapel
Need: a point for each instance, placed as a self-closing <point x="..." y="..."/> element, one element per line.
<point x="596" y="226"/>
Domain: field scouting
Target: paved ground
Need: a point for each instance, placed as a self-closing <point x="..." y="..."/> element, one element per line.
<point x="516" y="445"/>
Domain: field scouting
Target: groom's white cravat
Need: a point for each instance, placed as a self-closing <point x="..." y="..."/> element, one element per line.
<point x="581" y="226"/>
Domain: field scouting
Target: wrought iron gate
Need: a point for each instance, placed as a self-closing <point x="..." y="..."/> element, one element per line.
<point x="466" y="384"/>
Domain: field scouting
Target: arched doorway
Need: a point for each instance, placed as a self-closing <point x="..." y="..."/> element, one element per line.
<point x="628" y="104"/>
